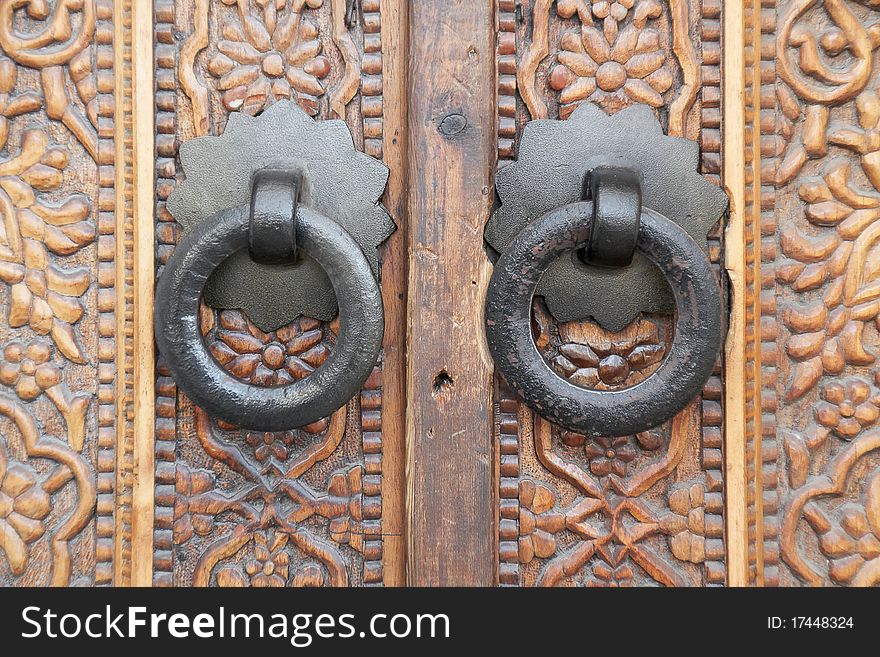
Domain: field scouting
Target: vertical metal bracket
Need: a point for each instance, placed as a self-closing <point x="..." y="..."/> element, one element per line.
<point x="272" y="225"/>
<point x="617" y="213"/>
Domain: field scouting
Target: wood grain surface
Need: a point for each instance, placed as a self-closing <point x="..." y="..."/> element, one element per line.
<point x="451" y="127"/>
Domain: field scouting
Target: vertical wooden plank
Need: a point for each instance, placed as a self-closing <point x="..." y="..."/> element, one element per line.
<point x="144" y="274"/>
<point x="451" y="158"/>
<point x="394" y="276"/>
<point x="733" y="177"/>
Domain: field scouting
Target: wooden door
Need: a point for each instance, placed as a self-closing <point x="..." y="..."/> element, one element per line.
<point x="435" y="473"/>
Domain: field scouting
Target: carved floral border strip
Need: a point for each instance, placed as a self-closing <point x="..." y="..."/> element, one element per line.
<point x="58" y="470"/>
<point x="827" y="182"/>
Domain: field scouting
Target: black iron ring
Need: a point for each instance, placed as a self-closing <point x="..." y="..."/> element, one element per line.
<point x="679" y="378"/>
<point x="221" y="395"/>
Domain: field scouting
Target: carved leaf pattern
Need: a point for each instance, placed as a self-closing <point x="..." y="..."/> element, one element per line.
<point x="47" y="482"/>
<point x="828" y="275"/>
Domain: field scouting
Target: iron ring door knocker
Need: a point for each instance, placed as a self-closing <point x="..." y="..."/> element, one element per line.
<point x="272" y="225"/>
<point x="601" y="236"/>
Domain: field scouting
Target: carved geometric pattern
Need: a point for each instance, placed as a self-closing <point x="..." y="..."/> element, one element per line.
<point x="237" y="507"/>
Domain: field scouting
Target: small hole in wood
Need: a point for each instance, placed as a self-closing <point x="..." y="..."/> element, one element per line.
<point x="443" y="382"/>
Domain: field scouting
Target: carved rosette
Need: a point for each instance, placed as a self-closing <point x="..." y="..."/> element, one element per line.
<point x="610" y="53"/>
<point x="242" y="56"/>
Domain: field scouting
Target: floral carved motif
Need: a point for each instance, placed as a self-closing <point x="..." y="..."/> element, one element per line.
<point x="260" y="51"/>
<point x="268" y="55"/>
<point x="36" y="468"/>
<point x="51" y="95"/>
<point x="828" y="178"/>
<point x="609" y="530"/>
<point x="605" y="512"/>
<point x="56" y="39"/>
<point x="273" y="517"/>
<point x="286" y="508"/>
<point x="610" y="66"/>
<point x="612" y="53"/>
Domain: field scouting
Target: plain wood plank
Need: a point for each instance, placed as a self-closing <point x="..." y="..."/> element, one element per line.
<point x="144" y="280"/>
<point x="451" y="154"/>
<point x="733" y="178"/>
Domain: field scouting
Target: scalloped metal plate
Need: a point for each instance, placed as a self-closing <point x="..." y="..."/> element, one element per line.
<point x="338" y="181"/>
<point x="555" y="156"/>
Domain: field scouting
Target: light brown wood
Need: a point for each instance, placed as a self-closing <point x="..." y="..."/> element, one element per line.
<point x="451" y="124"/>
<point x="144" y="281"/>
<point x="67" y="369"/>
<point x="814" y="460"/>
<point x="733" y="177"/>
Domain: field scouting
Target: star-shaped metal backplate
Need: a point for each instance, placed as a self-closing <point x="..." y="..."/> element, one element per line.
<point x="338" y="181"/>
<point x="554" y="158"/>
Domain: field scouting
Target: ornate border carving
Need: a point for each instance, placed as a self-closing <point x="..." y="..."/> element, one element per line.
<point x="68" y="462"/>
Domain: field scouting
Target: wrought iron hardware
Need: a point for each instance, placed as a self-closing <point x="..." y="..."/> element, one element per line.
<point x="555" y="158"/>
<point x="278" y="233"/>
<point x="596" y="241"/>
<point x="617" y="214"/>
<point x="335" y="180"/>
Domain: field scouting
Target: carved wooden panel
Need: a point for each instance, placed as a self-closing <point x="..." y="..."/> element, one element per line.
<point x="66" y="447"/>
<point x="616" y="511"/>
<point x="321" y="505"/>
<point x="235" y="507"/>
<point x="813" y="450"/>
